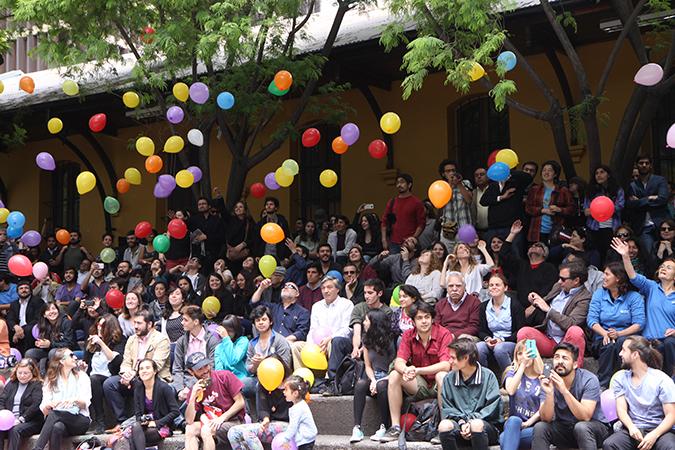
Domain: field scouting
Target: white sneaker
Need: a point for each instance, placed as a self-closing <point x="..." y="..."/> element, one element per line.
<point x="379" y="434"/>
<point x="357" y="435"/>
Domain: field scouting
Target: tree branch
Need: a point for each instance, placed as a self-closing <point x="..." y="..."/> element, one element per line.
<point x="528" y="111"/>
<point x="295" y="29"/>
<point x="434" y="24"/>
<point x="538" y="81"/>
<point x="623" y="9"/>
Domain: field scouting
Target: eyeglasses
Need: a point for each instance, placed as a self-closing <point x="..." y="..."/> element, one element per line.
<point x="564" y="278"/>
<point x="666" y="229"/>
<point x="290" y="286"/>
<point x="349" y="272"/>
<point x="623" y="235"/>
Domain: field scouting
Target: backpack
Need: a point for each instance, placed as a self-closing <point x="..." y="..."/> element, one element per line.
<point x="93" y="443"/>
<point x="425" y="426"/>
<point x="347" y="374"/>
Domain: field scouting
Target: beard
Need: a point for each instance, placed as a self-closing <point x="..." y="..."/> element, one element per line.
<point x="625" y="365"/>
<point x="563" y="371"/>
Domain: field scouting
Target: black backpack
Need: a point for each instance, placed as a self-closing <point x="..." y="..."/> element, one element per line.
<point x="347" y="374"/>
<point x="425" y="426"/>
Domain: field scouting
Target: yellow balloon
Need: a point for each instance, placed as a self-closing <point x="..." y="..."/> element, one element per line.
<point x="184" y="178"/>
<point x="312" y="357"/>
<point x="174" y="144"/>
<point x="267" y="264"/>
<point x="133" y="176"/>
<point x="211" y="306"/>
<point x="181" y="91"/>
<point x="85" y="182"/>
<point x="305" y="374"/>
<point x="283" y="177"/>
<point x="131" y="99"/>
<point x="390" y="122"/>
<point x="328" y="178"/>
<point x="55" y="125"/>
<point x="2" y="87"/>
<point x="508" y="157"/>
<point x="145" y="146"/>
<point x="270" y="373"/>
<point x="476" y="72"/>
<point x="70" y="88"/>
<point x="4" y="212"/>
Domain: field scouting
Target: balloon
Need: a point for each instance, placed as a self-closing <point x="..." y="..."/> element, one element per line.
<point x="283" y="177"/>
<point x="35" y="331"/>
<point x="122" y="186"/>
<point x="339" y="146"/>
<point x="55" y="125"/>
<point x="283" y="441"/>
<point x="147" y="35"/>
<point x="292" y="166"/>
<point x="40" y="270"/>
<point x="199" y="92"/>
<point x="467" y="234"/>
<point x="508" y="157"/>
<point x="267" y="264"/>
<point x="492" y="158"/>
<point x="274" y="90"/>
<point x="271" y="182"/>
<point x="390" y="123"/>
<point x="270" y="373"/>
<point x="145" y="146"/>
<point x="377" y="149"/>
<point x="213" y="329"/>
<point x="439" y="193"/>
<point x="196" y="173"/>
<point x="184" y="178"/>
<point x="272" y="233"/>
<point x="111" y="205"/>
<point x="20" y="266"/>
<point x="670" y="136"/>
<point x="476" y="72"/>
<point x="335" y="274"/>
<point x="161" y="243"/>
<point x="107" y="255"/>
<point x="2" y="87"/>
<point x="407" y="421"/>
<point x="211" y="306"/>
<point x="15" y="353"/>
<point x="131" y="99"/>
<point x="175" y="114"/>
<point x="306" y="374"/>
<point x="257" y="190"/>
<point x="166" y="181"/>
<point x="133" y="176"/>
<point x="328" y="178"/>
<point x="225" y="100"/>
<point x="4" y="212"/>
<point x="313" y="358"/>
<point x="114" y="298"/>
<point x="350" y="133"/>
<point x="27" y="84"/>
<point x="153" y="164"/>
<point x="195" y="137"/>
<point x="143" y="229"/>
<point x="181" y="91"/>
<point x="45" y="161"/>
<point x="6" y="420"/>
<point x="63" y="236"/>
<point x="174" y="144"/>
<point x="70" y="88"/>
<point x="395" y="300"/>
<point x="321" y="334"/>
<point x="160" y="191"/>
<point x="499" y="171"/>
<point x="602" y="208"/>
<point x="177" y="229"/>
<point x="649" y="75"/>
<point x="283" y="80"/>
<point x="508" y="60"/>
<point x="608" y="404"/>
<point x="311" y="137"/>
<point x="14" y="232"/>
<point x="16" y="219"/>
<point x="31" y="238"/>
<point x="97" y="122"/>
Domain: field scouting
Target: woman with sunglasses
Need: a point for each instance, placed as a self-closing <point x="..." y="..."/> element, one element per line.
<point x="663" y="247"/>
<point x="22" y="395"/>
<point x="66" y="396"/>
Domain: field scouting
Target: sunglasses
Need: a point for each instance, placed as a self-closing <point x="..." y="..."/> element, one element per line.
<point x="666" y="229"/>
<point x="622" y="235"/>
<point x="291" y="286"/>
<point x="349" y="272"/>
<point x="564" y="278"/>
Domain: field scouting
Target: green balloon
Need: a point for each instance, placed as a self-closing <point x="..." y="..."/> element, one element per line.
<point x="111" y="205"/>
<point x="273" y="89"/>
<point x="161" y="243"/>
<point x="107" y="255"/>
<point x="395" y="301"/>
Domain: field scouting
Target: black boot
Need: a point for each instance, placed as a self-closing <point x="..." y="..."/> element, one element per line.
<point x="479" y="441"/>
<point x="448" y="441"/>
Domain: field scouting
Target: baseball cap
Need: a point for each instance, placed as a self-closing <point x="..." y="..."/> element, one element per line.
<point x="280" y="270"/>
<point x="196" y="361"/>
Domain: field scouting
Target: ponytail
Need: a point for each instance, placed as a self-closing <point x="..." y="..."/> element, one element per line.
<point x="647" y="351"/>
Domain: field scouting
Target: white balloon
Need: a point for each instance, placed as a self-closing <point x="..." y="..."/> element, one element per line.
<point x="195" y="137"/>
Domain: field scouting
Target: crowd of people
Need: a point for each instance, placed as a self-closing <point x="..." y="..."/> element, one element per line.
<point x="430" y="314"/>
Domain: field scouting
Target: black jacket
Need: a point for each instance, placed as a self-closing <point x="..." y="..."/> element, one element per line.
<point x="63" y="337"/>
<point x="33" y="312"/>
<point x="540" y="279"/>
<point x="517" y="320"/>
<point x="501" y="214"/>
<point x="272" y="404"/>
<point x="29" y="407"/>
<point x="163" y="402"/>
<point x="114" y="365"/>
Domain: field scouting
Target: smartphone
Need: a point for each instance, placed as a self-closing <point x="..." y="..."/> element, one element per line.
<point x="547" y="370"/>
<point x="99" y="266"/>
<point x="531" y="348"/>
<point x="89" y="302"/>
<point x="368" y="206"/>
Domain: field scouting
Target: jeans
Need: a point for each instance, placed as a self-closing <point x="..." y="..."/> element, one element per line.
<point x="515" y="437"/>
<point x="18" y="433"/>
<point x="58" y="425"/>
<point x="667" y="349"/>
<point x="340" y="347"/>
<point x="586" y="435"/>
<point x="502" y="352"/>
<point x="250" y="393"/>
<point x="115" y="393"/>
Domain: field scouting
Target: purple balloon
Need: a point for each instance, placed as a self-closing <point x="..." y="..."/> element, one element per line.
<point x="283" y="442"/>
<point x="175" y="114"/>
<point x="36" y="332"/>
<point x="2" y="205"/>
<point x="199" y="92"/>
<point x="213" y="328"/>
<point x="167" y="182"/>
<point x="350" y="133"/>
<point x="15" y="353"/>
<point x="161" y="192"/>
<point x="31" y="238"/>
<point x="271" y="182"/>
<point x="196" y="172"/>
<point x="467" y="234"/>
<point x="45" y="161"/>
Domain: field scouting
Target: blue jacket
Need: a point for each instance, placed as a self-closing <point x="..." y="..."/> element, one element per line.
<point x="9" y="296"/>
<point x="657" y="209"/>
<point x="628" y="309"/>
<point x="232" y="356"/>
<point x="660" y="308"/>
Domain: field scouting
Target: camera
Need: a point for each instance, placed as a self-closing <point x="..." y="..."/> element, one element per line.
<point x="146" y="418"/>
<point x="89" y="302"/>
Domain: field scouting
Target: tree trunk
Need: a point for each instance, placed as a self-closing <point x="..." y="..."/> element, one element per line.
<point x="559" y="132"/>
<point x="643" y="123"/>
<point x="592" y="138"/>
<point x="236" y="180"/>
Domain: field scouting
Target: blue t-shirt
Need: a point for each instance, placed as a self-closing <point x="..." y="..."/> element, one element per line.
<point x="628" y="309"/>
<point x="9" y="296"/>
<point x="584" y="387"/>
<point x="525" y="402"/>
<point x="546" y="220"/>
<point x="660" y="308"/>
<point x="645" y="402"/>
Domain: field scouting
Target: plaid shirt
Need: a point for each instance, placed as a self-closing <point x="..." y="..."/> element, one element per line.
<point x="560" y="197"/>
<point x="457" y="210"/>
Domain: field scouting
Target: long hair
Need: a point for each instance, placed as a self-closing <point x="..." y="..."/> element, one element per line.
<point x="538" y="364"/>
<point x="54" y="368"/>
<point x="168" y="309"/>
<point x="207" y="289"/>
<point x="45" y="327"/>
<point x="31" y="364"/>
<point x="671" y="224"/>
<point x="645" y="348"/>
<point x="412" y="292"/>
<point x="378" y="337"/>
<point x="434" y="263"/>
<point x="455" y="265"/>
<point x="623" y="283"/>
<point x="360" y="263"/>
<point x="610" y="190"/>
<point x="232" y="323"/>
<point x="125" y="311"/>
<point x="314" y="237"/>
<point x="249" y="285"/>
<point x="111" y="333"/>
<point x="373" y="226"/>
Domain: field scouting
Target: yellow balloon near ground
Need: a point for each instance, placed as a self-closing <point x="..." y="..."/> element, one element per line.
<point x="174" y="144"/>
<point x="267" y="264"/>
<point x="133" y="176"/>
<point x="476" y="72"/>
<point x="283" y="177"/>
<point x="131" y="99"/>
<point x="270" y="373"/>
<point x="305" y="374"/>
<point x="185" y="179"/>
<point x="70" y="88"/>
<point x="85" y="182"/>
<point x="390" y="122"/>
<point x="312" y="357"/>
<point x="4" y="212"/>
<point x="145" y="146"/>
<point x="55" y="125"/>
<point x="328" y="178"/>
<point x="508" y="157"/>
<point x="181" y="91"/>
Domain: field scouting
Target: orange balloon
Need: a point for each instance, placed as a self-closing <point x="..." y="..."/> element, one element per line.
<point x="63" y="237"/>
<point x="123" y="186"/>
<point x="440" y="193"/>
<point x="339" y="145"/>
<point x="283" y="80"/>
<point x="272" y="233"/>
<point x="153" y="164"/>
<point x="27" y="84"/>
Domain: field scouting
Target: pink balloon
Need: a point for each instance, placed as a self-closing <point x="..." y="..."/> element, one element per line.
<point x="20" y="266"/>
<point x="196" y="172"/>
<point x="40" y="271"/>
<point x="45" y="161"/>
<point x="283" y="442"/>
<point x="321" y="334"/>
<point x="670" y="137"/>
<point x="6" y="420"/>
<point x="649" y="75"/>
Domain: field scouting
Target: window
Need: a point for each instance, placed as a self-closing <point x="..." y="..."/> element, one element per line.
<point x="313" y="161"/>
<point x="65" y="199"/>
<point x="664" y="158"/>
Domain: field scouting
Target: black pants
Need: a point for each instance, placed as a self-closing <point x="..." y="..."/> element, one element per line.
<point x="361" y="390"/>
<point x="451" y="440"/>
<point x="58" y="425"/>
<point x="621" y="440"/>
<point x="19" y="432"/>
<point x="667" y="349"/>
<point x="97" y="397"/>
<point x="608" y="358"/>
<point x="309" y="446"/>
<point x="601" y="240"/>
<point x="587" y="435"/>
<point x="142" y="437"/>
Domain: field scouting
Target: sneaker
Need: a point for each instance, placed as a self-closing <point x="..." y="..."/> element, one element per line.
<point x="357" y="435"/>
<point x="379" y="434"/>
<point x="436" y="440"/>
<point x="391" y="434"/>
<point x="330" y="391"/>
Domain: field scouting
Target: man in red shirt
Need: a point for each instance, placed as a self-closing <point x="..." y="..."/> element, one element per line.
<point x="404" y="215"/>
<point x="422" y="361"/>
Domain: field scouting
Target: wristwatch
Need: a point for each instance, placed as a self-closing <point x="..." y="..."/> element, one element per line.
<point x="21" y="419"/>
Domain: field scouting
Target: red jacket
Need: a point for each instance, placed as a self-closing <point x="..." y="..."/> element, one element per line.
<point x="560" y="197"/>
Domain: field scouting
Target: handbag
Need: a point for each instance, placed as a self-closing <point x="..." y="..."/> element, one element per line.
<point x="235" y="254"/>
<point x="449" y="229"/>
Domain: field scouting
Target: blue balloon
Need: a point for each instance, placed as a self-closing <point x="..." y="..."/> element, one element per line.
<point x="499" y="171"/>
<point x="508" y="59"/>
<point x="335" y="274"/>
<point x="225" y="100"/>
<point x="16" y="219"/>
<point x="14" y="232"/>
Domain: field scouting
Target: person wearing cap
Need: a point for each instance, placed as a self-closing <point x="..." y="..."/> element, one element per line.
<point x="271" y="292"/>
<point x="22" y="316"/>
<point x="215" y="404"/>
<point x="289" y="318"/>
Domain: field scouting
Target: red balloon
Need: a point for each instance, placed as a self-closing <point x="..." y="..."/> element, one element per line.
<point x="177" y="229"/>
<point x="97" y="122"/>
<point x="492" y="158"/>
<point x="407" y="421"/>
<point x="114" y="298"/>
<point x="258" y="190"/>
<point x="20" y="266"/>
<point x="311" y="137"/>
<point x="377" y="149"/>
<point x="602" y="208"/>
<point x="143" y="229"/>
<point x="147" y="34"/>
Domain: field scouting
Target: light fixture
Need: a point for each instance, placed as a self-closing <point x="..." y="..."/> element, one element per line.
<point x="612" y="26"/>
